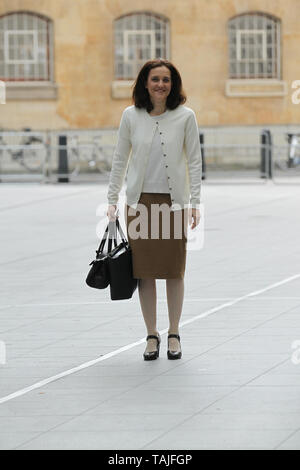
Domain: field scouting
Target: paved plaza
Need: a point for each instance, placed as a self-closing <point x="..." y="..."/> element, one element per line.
<point x="72" y="374"/>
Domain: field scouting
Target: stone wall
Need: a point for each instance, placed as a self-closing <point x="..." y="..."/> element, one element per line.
<point x="84" y="62"/>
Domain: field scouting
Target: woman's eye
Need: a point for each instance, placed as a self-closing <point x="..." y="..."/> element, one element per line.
<point x="165" y="80"/>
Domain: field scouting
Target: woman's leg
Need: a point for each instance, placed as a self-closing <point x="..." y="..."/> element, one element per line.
<point x="147" y="295"/>
<point x="175" y="294"/>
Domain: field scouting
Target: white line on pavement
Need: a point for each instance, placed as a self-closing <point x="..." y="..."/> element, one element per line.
<point x="100" y="302"/>
<point x="44" y="382"/>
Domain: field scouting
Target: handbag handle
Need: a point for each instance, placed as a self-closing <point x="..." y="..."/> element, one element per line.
<point x="102" y="244"/>
<point x="124" y="240"/>
<point x="123" y="244"/>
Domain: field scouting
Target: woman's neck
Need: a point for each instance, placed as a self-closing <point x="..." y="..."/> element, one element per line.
<point x="158" y="109"/>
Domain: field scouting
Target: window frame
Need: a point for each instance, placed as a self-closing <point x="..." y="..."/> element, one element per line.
<point x="119" y="28"/>
<point x="48" y="63"/>
<point x="235" y="60"/>
<point x="7" y="44"/>
<point x="129" y="32"/>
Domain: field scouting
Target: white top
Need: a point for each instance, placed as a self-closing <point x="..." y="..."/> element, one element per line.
<point x="156" y="179"/>
<point x="181" y="155"/>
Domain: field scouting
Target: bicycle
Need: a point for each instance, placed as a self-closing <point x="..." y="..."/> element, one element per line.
<point x="288" y="162"/>
<point x="31" y="155"/>
<point x="293" y="150"/>
<point x="87" y="153"/>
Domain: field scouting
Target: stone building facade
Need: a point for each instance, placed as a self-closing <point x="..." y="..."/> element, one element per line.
<point x="71" y="63"/>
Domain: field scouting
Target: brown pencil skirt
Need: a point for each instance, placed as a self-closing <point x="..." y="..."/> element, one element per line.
<point x="162" y="255"/>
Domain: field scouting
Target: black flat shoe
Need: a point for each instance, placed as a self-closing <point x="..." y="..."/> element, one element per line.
<point x="150" y="356"/>
<point x="174" y="354"/>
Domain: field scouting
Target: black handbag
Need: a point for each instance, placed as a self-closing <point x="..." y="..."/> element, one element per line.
<point x="122" y="282"/>
<point x="113" y="268"/>
<point x="98" y="276"/>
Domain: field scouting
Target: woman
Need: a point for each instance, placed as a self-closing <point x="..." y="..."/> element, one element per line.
<point x="164" y="173"/>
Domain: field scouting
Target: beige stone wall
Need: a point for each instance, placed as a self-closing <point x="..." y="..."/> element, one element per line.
<point x="83" y="47"/>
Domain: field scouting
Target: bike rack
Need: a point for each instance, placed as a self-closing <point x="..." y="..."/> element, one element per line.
<point x="59" y="151"/>
<point x="56" y="154"/>
<point x="229" y="152"/>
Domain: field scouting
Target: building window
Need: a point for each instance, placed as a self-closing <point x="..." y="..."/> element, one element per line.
<point x="139" y="37"/>
<point x="25" y="48"/>
<point x="254" y="46"/>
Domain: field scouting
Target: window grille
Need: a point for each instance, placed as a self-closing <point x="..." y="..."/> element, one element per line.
<point x="254" y="46"/>
<point x="25" y="48"/>
<point x="139" y="37"/>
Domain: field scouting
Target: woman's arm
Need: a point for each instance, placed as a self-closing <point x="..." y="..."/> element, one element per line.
<point x="194" y="159"/>
<point x="120" y="160"/>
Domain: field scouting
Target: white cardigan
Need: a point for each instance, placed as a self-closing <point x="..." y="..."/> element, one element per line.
<point x="181" y="152"/>
<point x="155" y="178"/>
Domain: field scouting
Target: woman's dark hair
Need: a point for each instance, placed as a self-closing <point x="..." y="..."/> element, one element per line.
<point x="140" y="94"/>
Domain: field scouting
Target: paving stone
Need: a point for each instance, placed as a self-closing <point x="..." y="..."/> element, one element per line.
<point x="237" y="385"/>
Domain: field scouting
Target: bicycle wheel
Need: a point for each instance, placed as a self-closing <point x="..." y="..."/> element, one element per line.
<point x="33" y="157"/>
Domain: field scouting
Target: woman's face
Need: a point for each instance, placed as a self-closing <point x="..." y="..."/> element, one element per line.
<point x="159" y="84"/>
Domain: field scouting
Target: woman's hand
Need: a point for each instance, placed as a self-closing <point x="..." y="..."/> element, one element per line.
<point x="194" y="217"/>
<point x="112" y="213"/>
